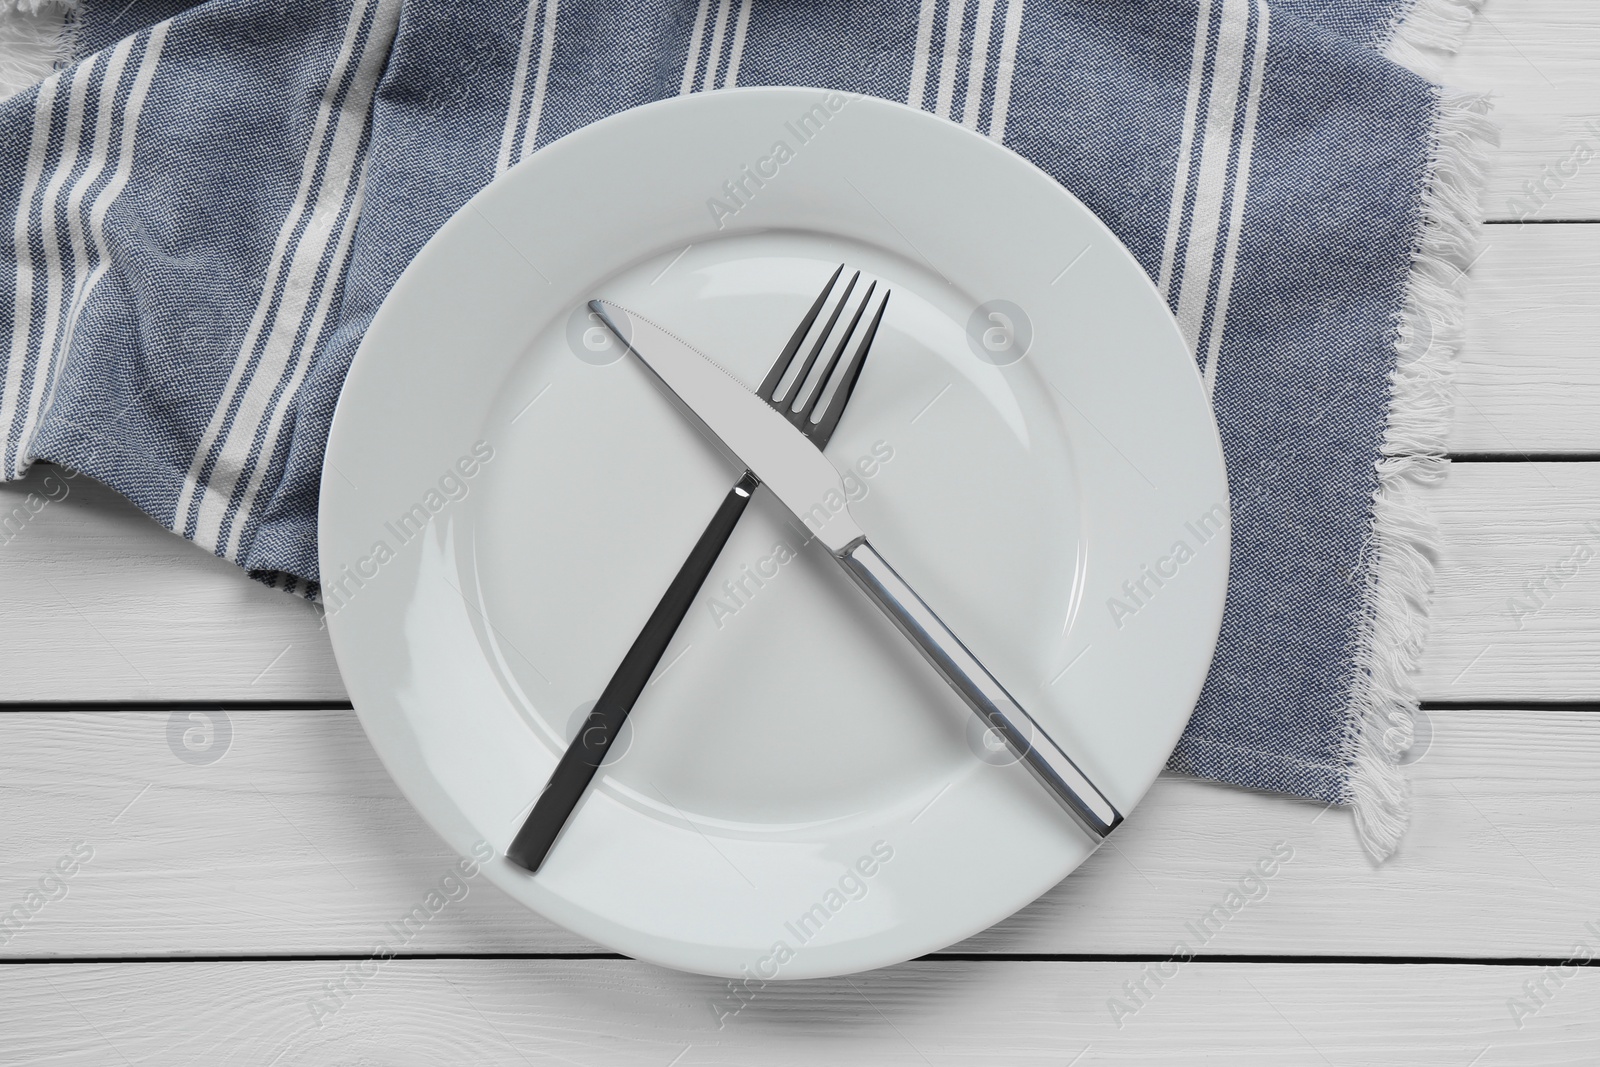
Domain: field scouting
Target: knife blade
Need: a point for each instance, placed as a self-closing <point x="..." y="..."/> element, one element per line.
<point x="755" y="437"/>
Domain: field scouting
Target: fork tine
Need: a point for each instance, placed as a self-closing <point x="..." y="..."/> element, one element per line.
<point x="769" y="387"/>
<point x="822" y="430"/>
<point x="809" y="405"/>
<point x="786" y="405"/>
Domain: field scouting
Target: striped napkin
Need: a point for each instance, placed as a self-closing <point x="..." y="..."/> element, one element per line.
<point x="209" y="202"/>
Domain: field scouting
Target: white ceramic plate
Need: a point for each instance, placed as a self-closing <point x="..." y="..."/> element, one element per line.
<point x="797" y="794"/>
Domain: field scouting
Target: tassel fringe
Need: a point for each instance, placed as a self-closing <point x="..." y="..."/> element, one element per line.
<point x="1403" y="545"/>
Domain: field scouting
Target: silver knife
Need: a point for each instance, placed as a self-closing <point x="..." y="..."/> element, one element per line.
<point x="755" y="436"/>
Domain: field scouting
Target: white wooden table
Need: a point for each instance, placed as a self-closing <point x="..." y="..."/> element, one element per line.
<point x="226" y="909"/>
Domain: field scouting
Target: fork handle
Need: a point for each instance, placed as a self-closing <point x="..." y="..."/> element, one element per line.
<point x="982" y="692"/>
<point x="587" y="751"/>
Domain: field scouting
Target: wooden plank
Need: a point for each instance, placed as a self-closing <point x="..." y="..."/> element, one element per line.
<point x="101" y="603"/>
<point x="295" y="841"/>
<point x="1527" y="378"/>
<point x="1538" y="59"/>
<point x="521" y="1012"/>
<point x="150" y="617"/>
<point x="1516" y="609"/>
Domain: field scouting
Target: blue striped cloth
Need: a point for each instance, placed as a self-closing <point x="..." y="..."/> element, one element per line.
<point x="209" y="206"/>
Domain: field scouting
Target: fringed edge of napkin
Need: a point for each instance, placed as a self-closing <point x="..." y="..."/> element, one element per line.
<point x="1434" y="25"/>
<point x="35" y="40"/>
<point x="1403" y="544"/>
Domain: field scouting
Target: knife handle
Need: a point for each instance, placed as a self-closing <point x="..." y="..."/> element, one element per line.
<point x="584" y="754"/>
<point x="982" y="692"/>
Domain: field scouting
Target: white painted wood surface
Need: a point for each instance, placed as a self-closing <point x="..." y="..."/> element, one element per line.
<point x="517" y="1013"/>
<point x="1538" y="59"/>
<point x="295" y="843"/>
<point x="1509" y="621"/>
<point x="1528" y="378"/>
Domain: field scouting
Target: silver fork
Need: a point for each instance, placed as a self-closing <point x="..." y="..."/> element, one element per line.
<point x="787" y="394"/>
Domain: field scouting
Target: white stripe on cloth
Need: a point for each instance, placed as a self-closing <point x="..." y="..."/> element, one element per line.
<point x="306" y="271"/>
<point x="1004" y="70"/>
<point x="919" y="56"/>
<point x="131" y="110"/>
<point x="44" y="106"/>
<point x="309" y="270"/>
<point x="714" y="55"/>
<point x="301" y="366"/>
<point x="519" y="80"/>
<point x="972" y="104"/>
<point x="55" y="279"/>
<point x="58" y="307"/>
<point x="291" y="222"/>
<point x="1211" y="184"/>
<point x="547" y="48"/>
<point x="738" y="45"/>
<point x="1180" y="176"/>
<point x="955" y="15"/>
<point x="110" y="86"/>
<point x="691" y="62"/>
<point x="132" y="107"/>
<point x="1241" y="189"/>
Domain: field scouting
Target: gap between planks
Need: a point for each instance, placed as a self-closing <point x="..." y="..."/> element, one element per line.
<point x="621" y="1014"/>
<point x="334" y="852"/>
